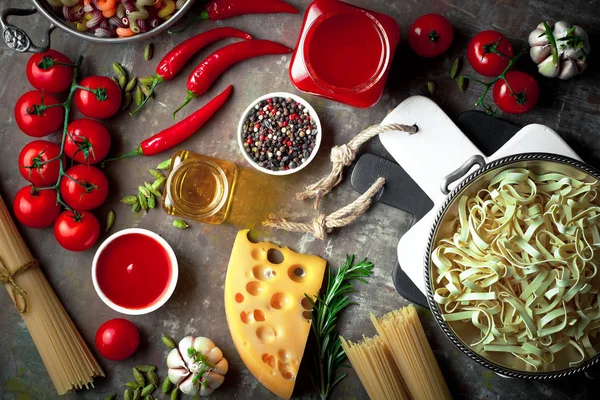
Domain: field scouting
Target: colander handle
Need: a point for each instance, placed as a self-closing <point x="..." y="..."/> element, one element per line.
<point x="16" y="38"/>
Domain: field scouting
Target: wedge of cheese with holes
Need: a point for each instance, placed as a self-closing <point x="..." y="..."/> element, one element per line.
<point x="267" y="312"/>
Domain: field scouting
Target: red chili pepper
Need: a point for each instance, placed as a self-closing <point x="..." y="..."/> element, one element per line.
<point x="217" y="10"/>
<point x="175" y="60"/>
<point x="215" y="64"/>
<point x="171" y="137"/>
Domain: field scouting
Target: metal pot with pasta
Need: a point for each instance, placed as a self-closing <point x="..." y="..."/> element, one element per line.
<point x="512" y="266"/>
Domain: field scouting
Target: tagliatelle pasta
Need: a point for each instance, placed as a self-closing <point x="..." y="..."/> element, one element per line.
<point x="520" y="270"/>
<point x="112" y="18"/>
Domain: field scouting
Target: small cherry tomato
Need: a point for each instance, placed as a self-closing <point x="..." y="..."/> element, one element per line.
<point x="36" y="208"/>
<point x="88" y="142"/>
<point x="489" y="53"/>
<point x="430" y="35"/>
<point x="84" y="188"/>
<point x="32" y="159"/>
<point x="117" y="339"/>
<point x="36" y="120"/>
<point x="103" y="103"/>
<point x="517" y="94"/>
<point x="44" y="74"/>
<point x="76" y="232"/>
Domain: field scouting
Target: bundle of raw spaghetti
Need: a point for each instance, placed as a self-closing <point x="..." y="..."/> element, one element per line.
<point x="403" y="334"/>
<point x="373" y="362"/>
<point x="64" y="353"/>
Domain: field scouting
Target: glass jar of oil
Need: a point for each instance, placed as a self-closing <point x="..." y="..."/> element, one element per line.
<point x="199" y="187"/>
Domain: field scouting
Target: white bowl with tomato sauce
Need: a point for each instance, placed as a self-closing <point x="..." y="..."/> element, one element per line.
<point x="135" y="271"/>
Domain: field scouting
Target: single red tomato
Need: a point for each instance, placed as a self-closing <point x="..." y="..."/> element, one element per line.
<point x="102" y="104"/>
<point x="523" y="96"/>
<point x="33" y="119"/>
<point x="76" y="232"/>
<point x="44" y="74"/>
<point x="489" y="53"/>
<point x="84" y="188"/>
<point x="117" y="339"/>
<point x="36" y="208"/>
<point x="89" y="141"/>
<point x="32" y="159"/>
<point x="430" y="35"/>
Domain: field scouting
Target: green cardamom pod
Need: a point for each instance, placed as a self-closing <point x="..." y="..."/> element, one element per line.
<point x="110" y="220"/>
<point x="146" y="91"/>
<point x="139" y="378"/>
<point x="129" y="200"/>
<point x="143" y="201"/>
<point x="164" y="165"/>
<point x="144" y="191"/>
<point x="126" y="100"/>
<point x="132" y="385"/>
<point x="157" y="184"/>
<point x="111" y="397"/>
<point x="122" y="82"/>
<point x="455" y="68"/>
<point x="135" y="207"/>
<point x="147" y="80"/>
<point x="166" y="386"/>
<point x="149" y="397"/>
<point x="152" y="377"/>
<point x="115" y="80"/>
<point x="462" y="83"/>
<point x="128" y="395"/>
<point x="148" y="390"/>
<point x="156" y="174"/>
<point x="152" y="202"/>
<point x="145" y="368"/>
<point x="152" y="190"/>
<point x="170" y="343"/>
<point x="431" y="87"/>
<point x="175" y="394"/>
<point x="138" y="96"/>
<point x="131" y="84"/>
<point x="148" y="51"/>
<point x="119" y="70"/>
<point x="136" y="394"/>
<point x="179" y="224"/>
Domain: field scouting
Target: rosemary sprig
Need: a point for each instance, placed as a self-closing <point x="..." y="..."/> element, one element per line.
<point x="329" y="354"/>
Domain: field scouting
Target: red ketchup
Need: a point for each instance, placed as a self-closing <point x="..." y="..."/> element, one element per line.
<point x="134" y="271"/>
<point x="344" y="53"/>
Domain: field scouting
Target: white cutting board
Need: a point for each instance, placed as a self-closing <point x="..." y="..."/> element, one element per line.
<point x="436" y="150"/>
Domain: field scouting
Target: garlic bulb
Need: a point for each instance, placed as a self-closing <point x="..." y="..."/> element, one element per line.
<point x="197" y="366"/>
<point x="560" y="51"/>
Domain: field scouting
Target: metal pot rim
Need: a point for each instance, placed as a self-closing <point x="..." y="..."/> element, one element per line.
<point x="62" y="24"/>
<point x="508" y="372"/>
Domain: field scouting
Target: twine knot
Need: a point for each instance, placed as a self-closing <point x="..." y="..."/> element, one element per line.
<point x="7" y="277"/>
<point x="342" y="155"/>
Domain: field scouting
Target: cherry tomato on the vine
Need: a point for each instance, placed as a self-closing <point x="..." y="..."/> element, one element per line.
<point x="36" y="120"/>
<point x="76" y="232"/>
<point x="103" y="103"/>
<point x="517" y="94"/>
<point x="44" y="75"/>
<point x="430" y="35"/>
<point x="117" y="339"/>
<point x="88" y="141"/>
<point x="33" y="163"/>
<point x="84" y="188"/>
<point x="36" y="208"/>
<point x="489" y="53"/>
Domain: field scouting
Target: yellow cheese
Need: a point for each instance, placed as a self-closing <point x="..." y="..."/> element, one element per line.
<point x="267" y="312"/>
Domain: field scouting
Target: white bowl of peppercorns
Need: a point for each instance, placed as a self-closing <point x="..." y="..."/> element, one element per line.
<point x="279" y="133"/>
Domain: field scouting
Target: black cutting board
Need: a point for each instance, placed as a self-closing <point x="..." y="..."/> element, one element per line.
<point x="487" y="133"/>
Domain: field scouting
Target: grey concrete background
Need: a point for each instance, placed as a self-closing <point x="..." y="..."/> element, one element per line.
<point x="196" y="308"/>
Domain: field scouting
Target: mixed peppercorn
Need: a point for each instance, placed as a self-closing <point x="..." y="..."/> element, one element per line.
<point x="279" y="134"/>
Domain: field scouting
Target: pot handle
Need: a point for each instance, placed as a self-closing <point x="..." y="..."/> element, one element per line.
<point x="16" y="38"/>
<point x="460" y="172"/>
